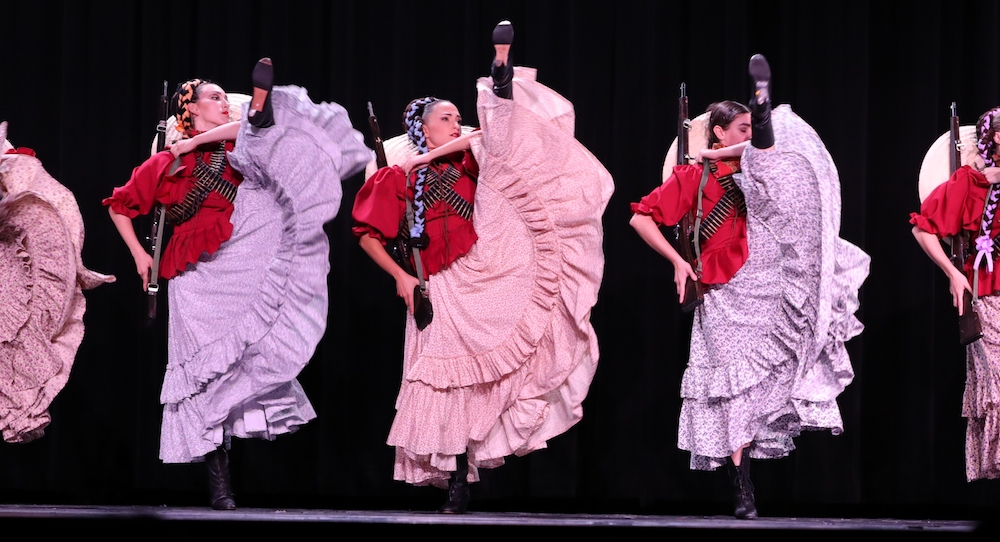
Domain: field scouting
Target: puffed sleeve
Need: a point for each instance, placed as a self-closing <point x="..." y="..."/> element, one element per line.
<point x="138" y="195"/>
<point x="668" y="203"/>
<point x="380" y="204"/>
<point x="955" y="205"/>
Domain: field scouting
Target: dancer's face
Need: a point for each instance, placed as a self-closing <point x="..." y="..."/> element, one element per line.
<point x="442" y="123"/>
<point x="211" y="109"/>
<point x="738" y="131"/>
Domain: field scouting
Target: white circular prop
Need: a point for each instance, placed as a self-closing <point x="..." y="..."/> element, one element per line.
<point x="936" y="167"/>
<point x="697" y="141"/>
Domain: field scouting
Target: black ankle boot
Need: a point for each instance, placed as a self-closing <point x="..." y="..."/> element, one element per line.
<point x="263" y="82"/>
<point x="760" y="103"/>
<point x="743" y="499"/>
<point x="220" y="490"/>
<point x="503" y="74"/>
<point x="458" y="488"/>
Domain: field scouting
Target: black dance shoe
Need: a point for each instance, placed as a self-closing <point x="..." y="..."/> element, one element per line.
<point x="503" y="74"/>
<point x="220" y="488"/>
<point x="743" y="499"/>
<point x="760" y="103"/>
<point x="458" y="488"/>
<point x="458" y="496"/>
<point x="260" y="112"/>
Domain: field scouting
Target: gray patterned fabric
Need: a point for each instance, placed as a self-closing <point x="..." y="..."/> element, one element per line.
<point x="246" y="320"/>
<point x="767" y="349"/>
<point x="982" y="396"/>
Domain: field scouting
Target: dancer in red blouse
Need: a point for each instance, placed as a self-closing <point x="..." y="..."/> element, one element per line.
<point x="247" y="262"/>
<point x="723" y="253"/>
<point x="955" y="207"/>
<point x="508" y="358"/>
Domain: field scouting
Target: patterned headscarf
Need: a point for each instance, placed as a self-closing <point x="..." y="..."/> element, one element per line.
<point x="413" y="123"/>
<point x="187" y="92"/>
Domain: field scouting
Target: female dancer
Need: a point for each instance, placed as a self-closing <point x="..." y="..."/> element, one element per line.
<point x="723" y="250"/>
<point x="767" y="348"/>
<point x="509" y="223"/>
<point x="247" y="266"/>
<point x="42" y="279"/>
<point x="966" y="205"/>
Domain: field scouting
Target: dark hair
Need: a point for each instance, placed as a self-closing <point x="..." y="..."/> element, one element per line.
<point x="722" y="114"/>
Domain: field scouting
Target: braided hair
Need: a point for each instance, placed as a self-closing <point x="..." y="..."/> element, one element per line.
<point x="986" y="128"/>
<point x="413" y="123"/>
<point x="186" y="94"/>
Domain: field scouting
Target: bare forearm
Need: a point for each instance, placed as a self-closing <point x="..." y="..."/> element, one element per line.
<point x="226" y="132"/>
<point x="461" y="143"/>
<point x="932" y="247"/>
<point x="373" y="247"/>
<point x="650" y="232"/>
<point x="127" y="231"/>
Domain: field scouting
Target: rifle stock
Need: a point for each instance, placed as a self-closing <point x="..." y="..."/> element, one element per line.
<point x="970" y="329"/>
<point x="694" y="294"/>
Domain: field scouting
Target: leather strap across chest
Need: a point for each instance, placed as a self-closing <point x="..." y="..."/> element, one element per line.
<point x="209" y="179"/>
<point x="732" y="203"/>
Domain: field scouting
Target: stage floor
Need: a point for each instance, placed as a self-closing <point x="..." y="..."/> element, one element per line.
<point x="256" y="520"/>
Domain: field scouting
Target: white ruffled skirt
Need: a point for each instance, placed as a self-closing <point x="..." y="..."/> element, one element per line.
<point x="246" y="320"/>
<point x="510" y="355"/>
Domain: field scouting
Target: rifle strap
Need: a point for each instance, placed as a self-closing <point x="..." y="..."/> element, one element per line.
<point x="985" y="247"/>
<point x="697" y="217"/>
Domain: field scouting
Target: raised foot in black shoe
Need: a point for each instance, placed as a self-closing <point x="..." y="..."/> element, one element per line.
<point x="260" y="113"/>
<point x="760" y="103"/>
<point x="760" y="71"/>
<point x="220" y="488"/>
<point x="501" y="70"/>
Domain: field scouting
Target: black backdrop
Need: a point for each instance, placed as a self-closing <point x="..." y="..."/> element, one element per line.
<point x="79" y="82"/>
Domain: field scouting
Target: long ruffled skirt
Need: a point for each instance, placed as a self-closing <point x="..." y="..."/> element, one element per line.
<point x="246" y="320"/>
<point x="509" y="357"/>
<point x="768" y="356"/>
<point x="981" y="402"/>
<point x="42" y="279"/>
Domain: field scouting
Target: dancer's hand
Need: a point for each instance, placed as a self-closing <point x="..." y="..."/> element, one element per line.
<point x="959" y="284"/>
<point x="992" y="174"/>
<point x="711" y="154"/>
<point x="183" y="146"/>
<point x="414" y="162"/>
<point x="683" y="271"/>
<point x="143" y="265"/>
<point x="405" y="283"/>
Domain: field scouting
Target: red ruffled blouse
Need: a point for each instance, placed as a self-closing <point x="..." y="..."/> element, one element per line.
<point x="380" y="206"/>
<point x="726" y="251"/>
<point x="150" y="185"/>
<point x="956" y="205"/>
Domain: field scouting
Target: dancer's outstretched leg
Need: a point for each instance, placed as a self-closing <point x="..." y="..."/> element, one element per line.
<point x="502" y="71"/>
<point x="260" y="112"/>
<point x="760" y="103"/>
